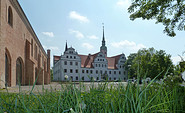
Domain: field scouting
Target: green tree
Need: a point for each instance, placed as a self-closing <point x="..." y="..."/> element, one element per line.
<point x="149" y="63"/>
<point x="171" y="13"/>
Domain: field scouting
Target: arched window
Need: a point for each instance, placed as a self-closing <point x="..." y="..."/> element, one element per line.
<point x="19" y="71"/>
<point x="10" y="16"/>
<point x="7" y="69"/>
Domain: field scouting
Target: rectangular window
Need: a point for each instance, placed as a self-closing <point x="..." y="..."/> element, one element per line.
<point x="76" y="63"/>
<point x="71" y="63"/>
<point x="82" y="78"/>
<point x="91" y="71"/>
<point x="105" y="72"/>
<point x="42" y="60"/>
<point x="109" y="72"/>
<point x="65" y="62"/>
<point x="76" y="70"/>
<point x="35" y="53"/>
<point x="71" y="70"/>
<point x="87" y="71"/>
<point x="96" y="71"/>
<point x="76" y="78"/>
<point x="97" y="78"/>
<point x="65" y="70"/>
<point x="114" y="72"/>
<point x="114" y="78"/>
<point x="82" y="71"/>
<point x="32" y="47"/>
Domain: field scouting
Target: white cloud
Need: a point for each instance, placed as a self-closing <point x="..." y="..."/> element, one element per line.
<point x="123" y="3"/>
<point x="130" y="45"/>
<point x="76" y="16"/>
<point x="177" y="59"/>
<point x="88" y="46"/>
<point x="92" y="37"/>
<point x="77" y="34"/>
<point x="50" y="34"/>
<point x="52" y="48"/>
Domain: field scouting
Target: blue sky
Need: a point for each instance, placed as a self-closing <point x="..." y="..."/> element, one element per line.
<point x="80" y="23"/>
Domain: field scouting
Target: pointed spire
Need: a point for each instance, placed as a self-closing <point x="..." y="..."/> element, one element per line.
<point x="103" y="33"/>
<point x="66" y="46"/>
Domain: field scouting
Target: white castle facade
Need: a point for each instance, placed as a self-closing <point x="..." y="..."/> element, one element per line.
<point x="94" y="67"/>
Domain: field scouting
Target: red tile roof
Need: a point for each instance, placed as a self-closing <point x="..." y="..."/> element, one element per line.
<point x="87" y="60"/>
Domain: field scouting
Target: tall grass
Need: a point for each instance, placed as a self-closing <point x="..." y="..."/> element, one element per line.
<point x="104" y="98"/>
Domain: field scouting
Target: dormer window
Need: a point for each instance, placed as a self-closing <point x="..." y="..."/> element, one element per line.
<point x="10" y="16"/>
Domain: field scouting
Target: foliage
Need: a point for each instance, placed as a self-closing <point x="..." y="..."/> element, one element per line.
<point x="51" y="73"/>
<point x="103" y="98"/>
<point x="171" y="13"/>
<point x="149" y="63"/>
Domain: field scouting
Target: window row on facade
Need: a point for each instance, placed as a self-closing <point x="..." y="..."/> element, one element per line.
<point x="72" y="78"/>
<point x="71" y="63"/>
<point x="71" y="57"/>
<point x="91" y="71"/>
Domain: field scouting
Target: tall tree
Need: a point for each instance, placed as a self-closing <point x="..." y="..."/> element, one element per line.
<point x="171" y="13"/>
<point x="149" y="63"/>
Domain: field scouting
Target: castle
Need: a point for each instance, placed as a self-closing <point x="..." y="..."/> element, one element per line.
<point x="22" y="57"/>
<point x="90" y="67"/>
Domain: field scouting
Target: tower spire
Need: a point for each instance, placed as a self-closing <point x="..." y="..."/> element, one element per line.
<point x="66" y="46"/>
<point x="103" y="33"/>
<point x="103" y="48"/>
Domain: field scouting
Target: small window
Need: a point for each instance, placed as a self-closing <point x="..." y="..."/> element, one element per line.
<point x="76" y="78"/>
<point x="109" y="72"/>
<point x="71" y="78"/>
<point x="101" y="72"/>
<point x="70" y="56"/>
<point x="65" y="70"/>
<point x="97" y="78"/>
<point x="91" y="71"/>
<point x="114" y="72"/>
<point x="120" y="66"/>
<point x="96" y="71"/>
<point x="76" y="63"/>
<point x="98" y="59"/>
<point x="99" y="65"/>
<point x="87" y="71"/>
<point x="114" y="78"/>
<point x="120" y="72"/>
<point x="76" y="70"/>
<point x="124" y="73"/>
<point x="65" y="62"/>
<point x="67" y="56"/>
<point x="82" y="71"/>
<point x="71" y="63"/>
<point x="71" y="71"/>
<point x="96" y="65"/>
<point x="102" y="65"/>
<point x="82" y="78"/>
<point x="74" y="57"/>
<point x="10" y="16"/>
<point x="105" y="72"/>
<point x="109" y="78"/>
<point x="32" y="47"/>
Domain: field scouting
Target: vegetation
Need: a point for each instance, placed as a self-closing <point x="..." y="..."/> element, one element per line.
<point x="133" y="98"/>
<point x="168" y="12"/>
<point x="149" y="63"/>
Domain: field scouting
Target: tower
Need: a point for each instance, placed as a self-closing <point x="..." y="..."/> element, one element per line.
<point x="103" y="48"/>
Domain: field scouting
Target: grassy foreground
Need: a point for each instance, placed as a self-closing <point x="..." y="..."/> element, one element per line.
<point x="133" y="98"/>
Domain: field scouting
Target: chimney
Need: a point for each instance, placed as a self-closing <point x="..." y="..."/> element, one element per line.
<point x="48" y="65"/>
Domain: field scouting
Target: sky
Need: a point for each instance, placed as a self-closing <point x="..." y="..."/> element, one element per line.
<point x="79" y="22"/>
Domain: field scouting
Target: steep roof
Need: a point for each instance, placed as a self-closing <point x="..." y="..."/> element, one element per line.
<point x="87" y="60"/>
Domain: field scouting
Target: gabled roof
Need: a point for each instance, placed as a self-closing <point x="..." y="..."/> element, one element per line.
<point x="112" y="61"/>
<point x="87" y="60"/>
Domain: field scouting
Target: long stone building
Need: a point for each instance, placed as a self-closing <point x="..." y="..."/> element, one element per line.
<point x="22" y="57"/>
<point x="89" y="67"/>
